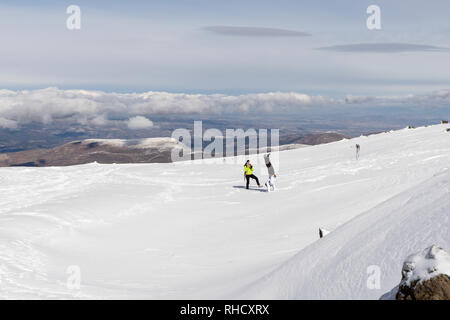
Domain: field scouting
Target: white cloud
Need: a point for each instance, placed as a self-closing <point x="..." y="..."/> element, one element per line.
<point x="100" y="121"/>
<point x="244" y="31"/>
<point x="139" y="122"/>
<point x="393" y="47"/>
<point x="100" y="108"/>
<point x="434" y="99"/>
<point x="8" y="124"/>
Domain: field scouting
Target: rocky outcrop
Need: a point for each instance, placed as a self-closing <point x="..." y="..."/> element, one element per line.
<point x="425" y="276"/>
<point x="437" y="288"/>
<point x="323" y="232"/>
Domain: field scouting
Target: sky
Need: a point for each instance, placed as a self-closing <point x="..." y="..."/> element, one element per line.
<point x="227" y="47"/>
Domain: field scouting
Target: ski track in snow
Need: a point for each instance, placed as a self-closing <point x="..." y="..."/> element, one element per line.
<point x="189" y="229"/>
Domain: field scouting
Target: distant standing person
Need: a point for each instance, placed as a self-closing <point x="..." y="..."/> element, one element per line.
<point x="248" y="173"/>
<point x="357" y="151"/>
<point x="270" y="184"/>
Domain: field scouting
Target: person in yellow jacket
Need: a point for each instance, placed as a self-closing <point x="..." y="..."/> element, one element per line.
<point x="248" y="173"/>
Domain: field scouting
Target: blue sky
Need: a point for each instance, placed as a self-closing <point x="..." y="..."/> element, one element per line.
<point x="199" y="46"/>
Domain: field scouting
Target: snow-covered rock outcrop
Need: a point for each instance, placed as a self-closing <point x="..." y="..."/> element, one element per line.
<point x="425" y="276"/>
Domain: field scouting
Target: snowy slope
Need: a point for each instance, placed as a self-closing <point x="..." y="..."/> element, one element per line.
<point x="336" y="267"/>
<point x="189" y="230"/>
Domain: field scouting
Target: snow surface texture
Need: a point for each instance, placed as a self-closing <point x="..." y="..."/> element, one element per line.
<point x="191" y="230"/>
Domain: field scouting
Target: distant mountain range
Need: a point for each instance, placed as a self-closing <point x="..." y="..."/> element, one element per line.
<point x="313" y="138"/>
<point x="151" y="150"/>
<point x="99" y="150"/>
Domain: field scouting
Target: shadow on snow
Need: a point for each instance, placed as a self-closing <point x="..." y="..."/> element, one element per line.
<point x="251" y="189"/>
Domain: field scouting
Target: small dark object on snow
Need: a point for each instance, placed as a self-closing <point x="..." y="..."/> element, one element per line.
<point x="444" y="121"/>
<point x="358" y="148"/>
<point x="323" y="232"/>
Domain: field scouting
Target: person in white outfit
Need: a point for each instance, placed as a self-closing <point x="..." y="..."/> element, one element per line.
<point x="270" y="184"/>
